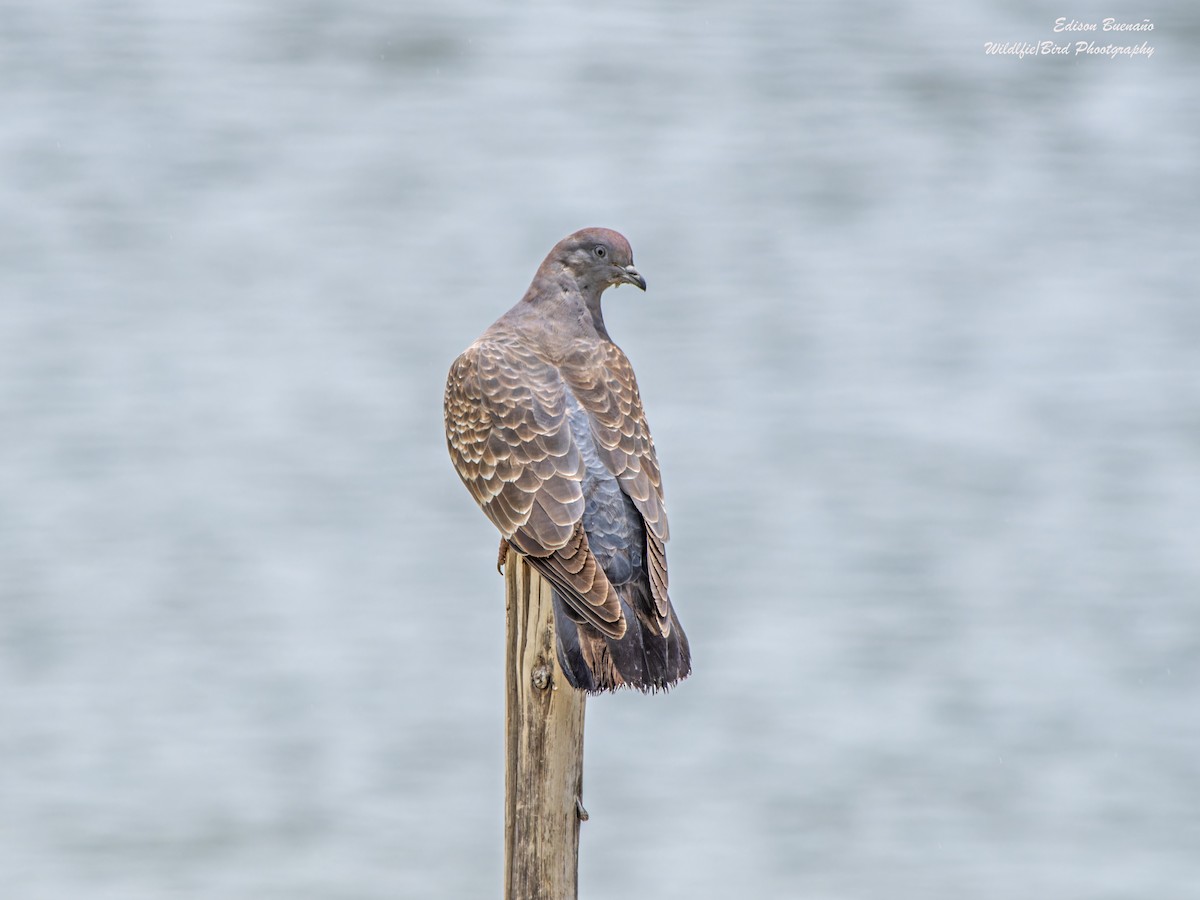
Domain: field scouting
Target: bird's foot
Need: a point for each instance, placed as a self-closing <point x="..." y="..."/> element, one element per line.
<point x="502" y="556"/>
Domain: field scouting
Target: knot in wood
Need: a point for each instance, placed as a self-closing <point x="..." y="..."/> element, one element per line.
<point x="541" y="676"/>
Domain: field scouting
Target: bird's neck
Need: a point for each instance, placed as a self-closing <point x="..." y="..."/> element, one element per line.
<point x="571" y="306"/>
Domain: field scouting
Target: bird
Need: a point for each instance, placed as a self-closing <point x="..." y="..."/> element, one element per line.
<point x="546" y="428"/>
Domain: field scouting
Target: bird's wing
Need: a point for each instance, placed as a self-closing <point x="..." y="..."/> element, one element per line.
<point x="607" y="390"/>
<point x="510" y="440"/>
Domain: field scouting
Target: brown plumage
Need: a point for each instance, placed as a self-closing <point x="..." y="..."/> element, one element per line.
<point x="546" y="428"/>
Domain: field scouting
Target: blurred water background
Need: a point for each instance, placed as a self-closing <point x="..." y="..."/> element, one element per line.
<point x="920" y="353"/>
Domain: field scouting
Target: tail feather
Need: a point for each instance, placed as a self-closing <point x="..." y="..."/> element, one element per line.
<point x="641" y="659"/>
<point x="570" y="653"/>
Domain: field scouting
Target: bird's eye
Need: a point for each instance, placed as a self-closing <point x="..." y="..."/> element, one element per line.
<point x="600" y="251"/>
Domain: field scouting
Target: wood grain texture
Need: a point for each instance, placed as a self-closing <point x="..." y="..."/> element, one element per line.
<point x="544" y="747"/>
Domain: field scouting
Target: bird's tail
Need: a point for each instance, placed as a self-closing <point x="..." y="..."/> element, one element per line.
<point x="641" y="659"/>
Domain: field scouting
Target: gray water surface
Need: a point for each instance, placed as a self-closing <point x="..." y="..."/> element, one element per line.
<point x="920" y="356"/>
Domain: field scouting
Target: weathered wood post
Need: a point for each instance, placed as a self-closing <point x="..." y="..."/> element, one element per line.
<point x="543" y="779"/>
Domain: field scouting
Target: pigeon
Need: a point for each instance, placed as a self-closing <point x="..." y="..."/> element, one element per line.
<point x="546" y="429"/>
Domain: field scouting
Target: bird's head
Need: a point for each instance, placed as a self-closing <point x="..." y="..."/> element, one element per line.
<point x="598" y="258"/>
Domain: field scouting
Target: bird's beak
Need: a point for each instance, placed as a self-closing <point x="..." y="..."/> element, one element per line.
<point x="633" y="276"/>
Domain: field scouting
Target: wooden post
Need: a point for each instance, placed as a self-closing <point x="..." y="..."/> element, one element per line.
<point x="543" y="778"/>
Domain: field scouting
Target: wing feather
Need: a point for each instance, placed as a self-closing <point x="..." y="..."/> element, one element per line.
<point x="511" y="443"/>
<point x="607" y="390"/>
